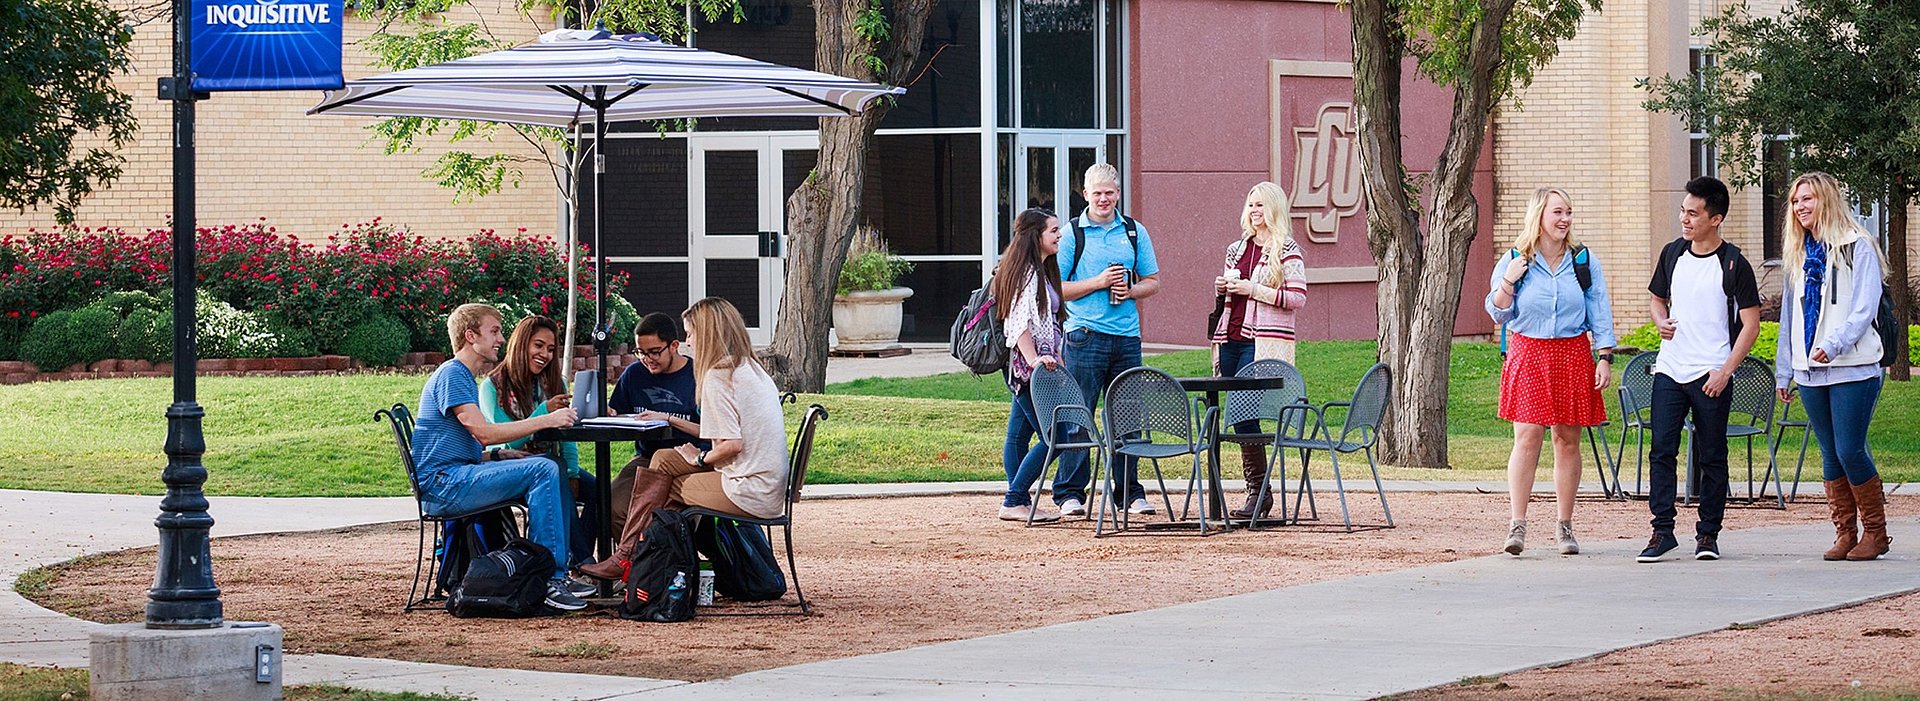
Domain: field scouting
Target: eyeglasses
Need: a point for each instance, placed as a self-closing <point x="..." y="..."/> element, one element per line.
<point x="655" y="353"/>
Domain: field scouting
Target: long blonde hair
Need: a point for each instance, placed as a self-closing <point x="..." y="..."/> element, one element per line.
<point x="1833" y="224"/>
<point x="1531" y="228"/>
<point x="1279" y="215"/>
<point x="719" y="338"/>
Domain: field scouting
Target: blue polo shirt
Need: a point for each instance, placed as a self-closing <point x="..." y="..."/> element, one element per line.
<point x="1106" y="245"/>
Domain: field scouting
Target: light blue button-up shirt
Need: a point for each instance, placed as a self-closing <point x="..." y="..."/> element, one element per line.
<point x="1550" y="303"/>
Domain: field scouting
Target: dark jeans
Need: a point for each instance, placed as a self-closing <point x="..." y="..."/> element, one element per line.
<point x="588" y="524"/>
<point x="1022" y="456"/>
<point x="1094" y="359"/>
<point x="1839" y="415"/>
<point x="1233" y="356"/>
<point x="1672" y="402"/>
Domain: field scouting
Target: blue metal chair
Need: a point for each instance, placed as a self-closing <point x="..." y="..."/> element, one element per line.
<point x="1148" y="415"/>
<point x="1265" y="407"/>
<point x="1636" y="416"/>
<point x="1065" y="424"/>
<point x="400" y="420"/>
<point x="1358" y="433"/>
<point x="798" y="458"/>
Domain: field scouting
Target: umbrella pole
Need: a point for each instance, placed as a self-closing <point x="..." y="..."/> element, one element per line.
<point x="570" y="247"/>
<point x="602" y="326"/>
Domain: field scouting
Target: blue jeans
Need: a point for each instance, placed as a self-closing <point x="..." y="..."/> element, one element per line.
<point x="459" y="488"/>
<point x="1094" y="359"/>
<point x="1839" y="415"/>
<point x="1023" y="457"/>
<point x="1671" y="403"/>
<point x="1233" y="356"/>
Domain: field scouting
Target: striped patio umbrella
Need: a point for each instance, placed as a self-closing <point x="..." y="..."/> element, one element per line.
<point x="573" y="78"/>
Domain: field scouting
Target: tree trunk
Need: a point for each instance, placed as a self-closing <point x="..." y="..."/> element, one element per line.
<point x="1897" y="281"/>
<point x="824" y="212"/>
<point x="1418" y="291"/>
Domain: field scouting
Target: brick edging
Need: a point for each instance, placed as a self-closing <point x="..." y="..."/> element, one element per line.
<point x="19" y="372"/>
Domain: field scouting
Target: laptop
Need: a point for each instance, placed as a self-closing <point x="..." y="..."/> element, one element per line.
<point x="586" y="394"/>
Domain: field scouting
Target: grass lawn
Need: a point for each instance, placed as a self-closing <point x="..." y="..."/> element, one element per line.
<point x="20" y="683"/>
<point x="316" y="436"/>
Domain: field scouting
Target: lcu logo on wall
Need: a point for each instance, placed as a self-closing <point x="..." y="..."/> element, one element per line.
<point x="1326" y="172"/>
<point x="266" y="45"/>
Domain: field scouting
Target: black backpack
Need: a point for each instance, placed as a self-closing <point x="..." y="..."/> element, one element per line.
<point x="744" y="568"/>
<point x="469" y="538"/>
<point x="1582" y="272"/>
<point x="977" y="338"/>
<point x="660" y="582"/>
<point x="507" y="583"/>
<point x="1080" y="241"/>
<point x="1884" y="322"/>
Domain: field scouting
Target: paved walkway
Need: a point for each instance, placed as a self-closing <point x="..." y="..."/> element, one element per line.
<point x="1344" y="639"/>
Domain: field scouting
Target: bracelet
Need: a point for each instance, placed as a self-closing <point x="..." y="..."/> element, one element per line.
<point x="1607" y="356"/>
<point x="700" y="460"/>
<point x="493" y="454"/>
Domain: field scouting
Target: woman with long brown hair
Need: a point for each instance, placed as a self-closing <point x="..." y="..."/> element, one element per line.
<point x="1026" y="294"/>
<point x="1827" y="346"/>
<point x="528" y="383"/>
<point x="745" y="472"/>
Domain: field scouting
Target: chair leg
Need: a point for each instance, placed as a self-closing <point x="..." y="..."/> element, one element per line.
<point x="793" y="567"/>
<point x="1801" y="465"/>
<point x="1340" y="486"/>
<point x="1034" y="502"/>
<point x="1379" y="488"/>
<point x="1599" y="466"/>
<point x="1101" y="505"/>
<point x="1167" y="498"/>
<point x="419" y="562"/>
<point x="1276" y="461"/>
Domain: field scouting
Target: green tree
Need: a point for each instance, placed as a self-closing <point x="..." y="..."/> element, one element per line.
<point x="1843" y="78"/>
<point x="876" y="40"/>
<point x="56" y="88"/>
<point x="1482" y="50"/>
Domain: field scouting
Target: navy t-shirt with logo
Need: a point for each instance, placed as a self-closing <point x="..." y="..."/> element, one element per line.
<point x="672" y="393"/>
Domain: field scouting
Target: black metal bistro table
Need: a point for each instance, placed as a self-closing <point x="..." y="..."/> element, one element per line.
<point x="1211" y="387"/>
<point x="603" y="438"/>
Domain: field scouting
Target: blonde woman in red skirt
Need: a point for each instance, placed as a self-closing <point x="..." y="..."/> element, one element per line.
<point x="1550" y="295"/>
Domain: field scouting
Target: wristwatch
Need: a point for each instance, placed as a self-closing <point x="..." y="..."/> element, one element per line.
<point x="1606" y="356"/>
<point x="700" y="460"/>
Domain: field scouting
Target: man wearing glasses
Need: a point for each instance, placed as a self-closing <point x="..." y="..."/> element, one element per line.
<point x="659" y="388"/>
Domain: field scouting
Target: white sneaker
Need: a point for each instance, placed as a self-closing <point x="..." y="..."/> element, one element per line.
<point x="1022" y="513"/>
<point x="1073" y="507"/>
<point x="1140" y="506"/>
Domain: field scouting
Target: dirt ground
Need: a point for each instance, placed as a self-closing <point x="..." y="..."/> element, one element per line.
<point x="887" y="574"/>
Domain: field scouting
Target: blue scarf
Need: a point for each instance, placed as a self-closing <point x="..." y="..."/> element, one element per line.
<point x="1815" y="270"/>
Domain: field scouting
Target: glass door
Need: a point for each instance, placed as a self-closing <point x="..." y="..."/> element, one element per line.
<point x="1050" y="167"/>
<point x="736" y="200"/>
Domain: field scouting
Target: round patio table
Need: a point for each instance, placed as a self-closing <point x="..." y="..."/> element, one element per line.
<point x="603" y="438"/>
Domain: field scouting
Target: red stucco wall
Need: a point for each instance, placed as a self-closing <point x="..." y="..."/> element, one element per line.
<point x="1202" y="130"/>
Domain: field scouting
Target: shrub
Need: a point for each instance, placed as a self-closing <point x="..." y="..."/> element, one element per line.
<point x="145" y="334"/>
<point x="124" y="302"/>
<point x="226" y="332"/>
<point x="378" y="340"/>
<point x="291" y="341"/>
<point x="1647" y="339"/>
<point x="870" y="266"/>
<point x="12" y="332"/>
<point x="63" y="338"/>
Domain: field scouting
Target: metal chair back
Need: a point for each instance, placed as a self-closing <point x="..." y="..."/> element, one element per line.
<point x="1145" y="405"/>
<point x="1369" y="407"/>
<point x="802" y="453"/>
<point x="1636" y="389"/>
<point x="1057" y="403"/>
<point x="1752" y="393"/>
<point x="1265" y="405"/>
<point x="400" y="420"/>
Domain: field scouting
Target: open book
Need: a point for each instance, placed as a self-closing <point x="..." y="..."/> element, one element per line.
<point x="623" y="422"/>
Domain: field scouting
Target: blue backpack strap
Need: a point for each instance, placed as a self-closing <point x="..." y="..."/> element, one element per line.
<point x="1583" y="267"/>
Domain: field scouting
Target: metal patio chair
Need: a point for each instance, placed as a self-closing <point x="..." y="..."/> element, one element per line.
<point x="1780" y="438"/>
<point x="798" y="457"/>
<point x="1065" y="424"/>
<point x="1636" y="417"/>
<point x="400" y="420"/>
<point x="1264" y="406"/>
<point x="1358" y="433"/>
<point x="1148" y="416"/>
<point x="1753" y="398"/>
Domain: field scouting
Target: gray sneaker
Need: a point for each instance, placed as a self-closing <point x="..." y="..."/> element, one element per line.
<point x="1516" y="537"/>
<point x="559" y="598"/>
<point x="1568" y="546"/>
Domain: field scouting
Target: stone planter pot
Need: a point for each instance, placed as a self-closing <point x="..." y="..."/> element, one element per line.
<point x="868" y="321"/>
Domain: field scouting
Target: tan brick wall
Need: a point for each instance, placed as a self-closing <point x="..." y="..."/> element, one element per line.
<point x="261" y="155"/>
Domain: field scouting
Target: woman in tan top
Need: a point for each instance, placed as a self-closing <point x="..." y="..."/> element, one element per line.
<point x="746" y="470"/>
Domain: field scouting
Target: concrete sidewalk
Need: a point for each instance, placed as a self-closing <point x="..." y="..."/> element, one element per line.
<point x="1349" y="638"/>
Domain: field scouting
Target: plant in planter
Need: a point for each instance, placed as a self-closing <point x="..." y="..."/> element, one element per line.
<point x="866" y="303"/>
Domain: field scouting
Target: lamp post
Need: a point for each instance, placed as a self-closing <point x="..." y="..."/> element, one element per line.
<point x="183" y="593"/>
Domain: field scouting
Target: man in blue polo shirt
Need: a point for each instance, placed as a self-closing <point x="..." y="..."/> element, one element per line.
<point x="1106" y="266"/>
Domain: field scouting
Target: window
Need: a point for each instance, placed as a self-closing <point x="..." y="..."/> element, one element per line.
<point x="1704" y="158"/>
<point x="923" y="193"/>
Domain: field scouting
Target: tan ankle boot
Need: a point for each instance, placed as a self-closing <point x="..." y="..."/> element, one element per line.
<point x="1873" y="521"/>
<point x="1846" y="519"/>
<point x="1253" y="462"/>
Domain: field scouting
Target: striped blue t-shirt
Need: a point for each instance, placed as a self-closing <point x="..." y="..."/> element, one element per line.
<point x="439" y="441"/>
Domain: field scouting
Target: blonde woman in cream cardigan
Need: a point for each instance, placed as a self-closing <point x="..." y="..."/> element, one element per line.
<point x="1262" y="286"/>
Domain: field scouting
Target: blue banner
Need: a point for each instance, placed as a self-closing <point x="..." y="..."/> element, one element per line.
<point x="267" y="45"/>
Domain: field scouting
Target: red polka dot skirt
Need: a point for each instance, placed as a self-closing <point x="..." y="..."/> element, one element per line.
<point x="1550" y="382"/>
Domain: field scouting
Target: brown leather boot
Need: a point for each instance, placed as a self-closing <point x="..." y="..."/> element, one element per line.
<point x="650" y="491"/>
<point x="1846" y="520"/>
<point x="1873" y="521"/>
<point x="1253" y="461"/>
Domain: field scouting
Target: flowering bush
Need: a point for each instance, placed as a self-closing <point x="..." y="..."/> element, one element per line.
<point x="300" y="297"/>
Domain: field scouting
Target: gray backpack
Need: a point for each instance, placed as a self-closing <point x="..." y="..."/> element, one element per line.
<point x="977" y="339"/>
